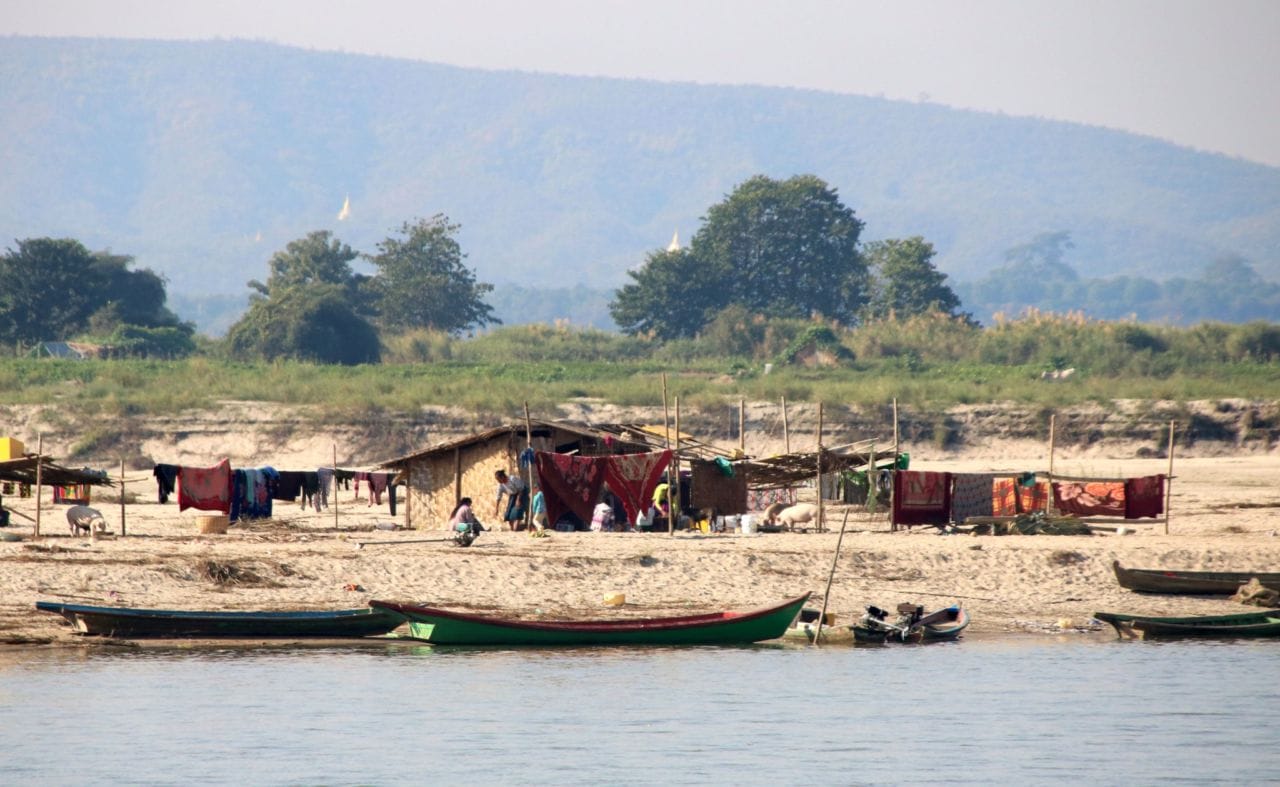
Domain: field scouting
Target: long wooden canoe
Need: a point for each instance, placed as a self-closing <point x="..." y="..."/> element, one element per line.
<point x="444" y="627"/>
<point x="1249" y="624"/>
<point x="1148" y="580"/>
<point x="132" y="622"/>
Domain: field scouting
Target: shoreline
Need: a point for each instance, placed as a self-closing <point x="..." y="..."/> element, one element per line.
<point x="1225" y="516"/>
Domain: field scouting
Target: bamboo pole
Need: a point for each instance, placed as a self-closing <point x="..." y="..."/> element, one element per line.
<point x="817" y="635"/>
<point x="742" y="426"/>
<point x="666" y="419"/>
<point x="335" y="486"/>
<point x="39" y="479"/>
<point x="896" y="443"/>
<point x="786" y="433"/>
<point x="820" y="526"/>
<point x="1053" y="432"/>
<point x="871" y="482"/>
<point x="1168" y="482"/>
<point x="122" y="530"/>
<point x="673" y="488"/>
<point x="528" y="484"/>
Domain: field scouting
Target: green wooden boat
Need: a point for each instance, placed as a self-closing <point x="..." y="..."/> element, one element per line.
<point x="133" y="622"/>
<point x="444" y="627"/>
<point x="1249" y="624"/>
<point x="1180" y="581"/>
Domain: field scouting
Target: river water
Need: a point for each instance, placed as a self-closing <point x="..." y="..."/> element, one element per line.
<point x="1026" y="710"/>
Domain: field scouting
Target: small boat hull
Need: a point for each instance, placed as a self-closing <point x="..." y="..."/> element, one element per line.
<point x="947" y="625"/>
<point x="444" y="627"/>
<point x="167" y="623"/>
<point x="1224" y="583"/>
<point x="1252" y="624"/>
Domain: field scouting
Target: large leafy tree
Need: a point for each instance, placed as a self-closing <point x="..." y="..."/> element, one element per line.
<point x="55" y="288"/>
<point x="318" y="258"/>
<point x="423" y="283"/>
<point x="671" y="295"/>
<point x="312" y="307"/>
<point x="306" y="323"/>
<point x="905" y="281"/>
<point x="781" y="248"/>
<point x="49" y="290"/>
<point x="788" y="248"/>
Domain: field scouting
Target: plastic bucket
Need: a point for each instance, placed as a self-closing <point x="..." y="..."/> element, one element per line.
<point x="748" y="524"/>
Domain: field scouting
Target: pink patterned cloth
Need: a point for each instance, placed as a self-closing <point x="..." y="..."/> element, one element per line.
<point x="205" y="488"/>
<point x="1089" y="498"/>
<point x="633" y="477"/>
<point x="569" y="483"/>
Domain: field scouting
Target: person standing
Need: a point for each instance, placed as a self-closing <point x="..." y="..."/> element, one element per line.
<point x="539" y="511"/>
<point x="517" y="493"/>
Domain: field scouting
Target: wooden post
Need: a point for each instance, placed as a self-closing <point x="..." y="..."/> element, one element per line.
<point x="817" y="634"/>
<point x="786" y="433"/>
<point x="1053" y="431"/>
<point x="871" y="482"/>
<point x="122" y="531"/>
<point x="39" y="478"/>
<point x="673" y="488"/>
<point x="528" y="484"/>
<point x="1168" y="482"/>
<point x="335" y="486"/>
<point x="896" y="445"/>
<point x="742" y="426"/>
<point x="666" y="419"/>
<point x="820" y="526"/>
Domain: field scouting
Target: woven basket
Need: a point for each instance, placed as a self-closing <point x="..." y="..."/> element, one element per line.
<point x="213" y="523"/>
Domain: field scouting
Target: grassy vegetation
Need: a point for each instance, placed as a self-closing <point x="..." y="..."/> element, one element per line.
<point x="926" y="362"/>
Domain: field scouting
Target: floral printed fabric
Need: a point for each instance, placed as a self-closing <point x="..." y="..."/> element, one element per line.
<point x="1090" y="498"/>
<point x="633" y="477"/>
<point x="569" y="483"/>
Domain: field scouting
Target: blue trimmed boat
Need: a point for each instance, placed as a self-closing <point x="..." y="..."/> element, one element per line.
<point x="131" y="622"/>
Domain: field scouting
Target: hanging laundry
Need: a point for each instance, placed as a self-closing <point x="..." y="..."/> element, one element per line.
<point x="290" y="485"/>
<point x="971" y="495"/>
<point x="1089" y="498"/>
<point x="205" y="488"/>
<point x="569" y="483"/>
<point x="921" y="497"/>
<point x="633" y="477"/>
<point x="1144" y="497"/>
<point x="166" y="476"/>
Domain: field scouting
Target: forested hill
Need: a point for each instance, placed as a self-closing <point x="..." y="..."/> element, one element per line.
<point x="203" y="158"/>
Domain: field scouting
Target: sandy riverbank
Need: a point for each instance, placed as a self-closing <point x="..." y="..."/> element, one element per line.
<point x="1225" y="515"/>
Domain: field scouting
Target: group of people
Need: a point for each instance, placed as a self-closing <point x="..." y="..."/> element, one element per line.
<point x="608" y="515"/>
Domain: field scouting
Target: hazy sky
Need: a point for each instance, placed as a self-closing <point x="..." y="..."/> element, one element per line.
<point x="1202" y="73"/>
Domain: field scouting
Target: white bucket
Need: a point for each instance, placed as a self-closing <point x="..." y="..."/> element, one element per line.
<point x="748" y="524"/>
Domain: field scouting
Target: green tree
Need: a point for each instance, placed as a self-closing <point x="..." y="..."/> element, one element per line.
<point x="318" y="258"/>
<point x="906" y="283"/>
<point x="315" y="323"/>
<point x="56" y="288"/>
<point x="49" y="290"/>
<point x="312" y="307"/>
<point x="778" y="248"/>
<point x="670" y="296"/>
<point x="423" y="283"/>
<point x="787" y="248"/>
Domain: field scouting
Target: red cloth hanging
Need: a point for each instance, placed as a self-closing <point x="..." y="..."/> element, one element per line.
<point x="569" y="483"/>
<point x="921" y="497"/>
<point x="633" y="477"/>
<point x="1144" y="497"/>
<point x="205" y="488"/>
